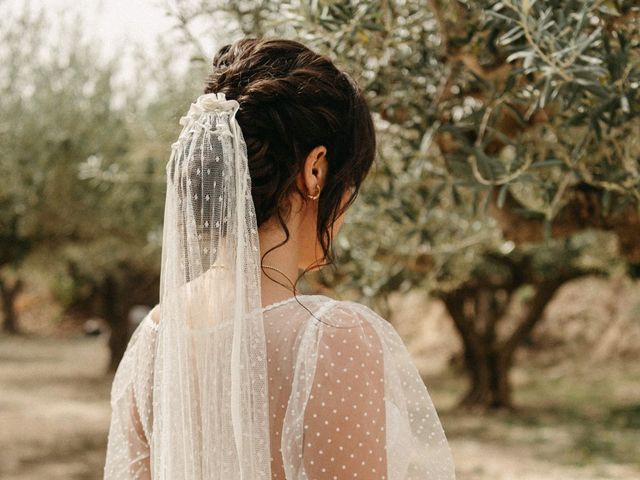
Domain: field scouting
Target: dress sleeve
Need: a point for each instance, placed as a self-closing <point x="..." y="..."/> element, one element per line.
<point x="128" y="455"/>
<point x="344" y="420"/>
<point x="417" y="447"/>
<point x="359" y="408"/>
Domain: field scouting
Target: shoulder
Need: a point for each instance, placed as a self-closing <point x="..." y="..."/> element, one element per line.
<point x="350" y="326"/>
<point x="151" y="321"/>
<point x="341" y="313"/>
<point x="358" y="322"/>
<point x="137" y="360"/>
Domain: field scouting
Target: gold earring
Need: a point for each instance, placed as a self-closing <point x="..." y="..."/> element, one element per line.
<point x="314" y="197"/>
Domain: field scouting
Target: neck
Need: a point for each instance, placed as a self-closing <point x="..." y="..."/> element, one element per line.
<point x="283" y="257"/>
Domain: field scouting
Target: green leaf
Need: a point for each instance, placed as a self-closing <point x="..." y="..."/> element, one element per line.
<point x="552" y="162"/>
<point x="502" y="194"/>
<point x="499" y="16"/>
<point x="487" y="201"/>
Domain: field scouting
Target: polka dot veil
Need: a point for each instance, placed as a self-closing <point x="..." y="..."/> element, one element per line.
<point x="189" y="400"/>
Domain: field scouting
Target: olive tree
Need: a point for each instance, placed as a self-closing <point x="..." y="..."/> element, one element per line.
<point x="82" y="158"/>
<point x="508" y="152"/>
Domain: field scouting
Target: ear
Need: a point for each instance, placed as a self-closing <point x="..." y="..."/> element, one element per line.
<point x="315" y="169"/>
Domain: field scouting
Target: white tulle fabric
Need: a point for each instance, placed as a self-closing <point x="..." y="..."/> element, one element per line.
<point x="309" y="388"/>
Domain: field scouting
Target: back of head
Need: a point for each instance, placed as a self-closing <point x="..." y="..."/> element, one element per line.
<point x="292" y="100"/>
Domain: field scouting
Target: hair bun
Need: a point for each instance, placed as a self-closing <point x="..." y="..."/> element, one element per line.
<point x="292" y="100"/>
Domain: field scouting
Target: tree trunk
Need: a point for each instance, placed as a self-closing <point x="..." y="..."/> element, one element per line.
<point x="117" y="320"/>
<point x="489" y="382"/>
<point x="485" y="365"/>
<point x="487" y="358"/>
<point x="9" y="295"/>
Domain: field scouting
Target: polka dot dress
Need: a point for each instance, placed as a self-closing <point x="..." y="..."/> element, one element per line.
<point x="345" y="399"/>
<point x="128" y="453"/>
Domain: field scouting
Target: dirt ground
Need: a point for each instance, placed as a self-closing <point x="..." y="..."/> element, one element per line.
<point x="575" y="419"/>
<point x="54" y="408"/>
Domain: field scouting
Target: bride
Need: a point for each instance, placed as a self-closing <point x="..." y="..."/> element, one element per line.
<point x="234" y="374"/>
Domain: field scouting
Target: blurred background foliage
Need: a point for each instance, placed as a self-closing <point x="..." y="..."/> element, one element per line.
<point x="508" y="166"/>
<point x="508" y="152"/>
<point x="507" y="161"/>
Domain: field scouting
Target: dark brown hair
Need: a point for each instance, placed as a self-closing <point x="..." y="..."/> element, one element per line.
<point x="292" y="100"/>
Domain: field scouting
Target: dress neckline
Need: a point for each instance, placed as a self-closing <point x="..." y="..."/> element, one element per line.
<point x="266" y="308"/>
<point x="270" y="306"/>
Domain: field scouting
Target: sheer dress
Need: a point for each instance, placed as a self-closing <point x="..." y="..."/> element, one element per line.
<point x="345" y="399"/>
